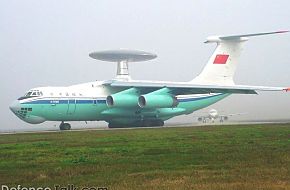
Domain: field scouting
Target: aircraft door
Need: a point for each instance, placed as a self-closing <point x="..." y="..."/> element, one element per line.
<point x="71" y="106"/>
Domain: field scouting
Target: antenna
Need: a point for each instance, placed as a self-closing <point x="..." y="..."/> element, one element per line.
<point x="122" y="57"/>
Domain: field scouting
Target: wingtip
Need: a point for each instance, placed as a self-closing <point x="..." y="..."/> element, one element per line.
<point x="282" y="31"/>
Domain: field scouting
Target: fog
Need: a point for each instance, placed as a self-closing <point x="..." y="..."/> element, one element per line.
<point x="46" y="43"/>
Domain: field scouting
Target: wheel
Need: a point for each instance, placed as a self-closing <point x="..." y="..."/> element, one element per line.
<point x="64" y="126"/>
<point x="153" y="123"/>
<point x="110" y="125"/>
<point x="146" y="123"/>
<point x="160" y="123"/>
<point x="114" y="125"/>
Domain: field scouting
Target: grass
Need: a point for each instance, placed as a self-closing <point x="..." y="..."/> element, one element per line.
<point x="208" y="157"/>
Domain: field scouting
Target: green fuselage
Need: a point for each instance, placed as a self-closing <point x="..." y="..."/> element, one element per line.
<point x="73" y="107"/>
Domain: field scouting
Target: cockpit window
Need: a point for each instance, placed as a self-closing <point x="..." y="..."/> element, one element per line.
<point x="30" y="94"/>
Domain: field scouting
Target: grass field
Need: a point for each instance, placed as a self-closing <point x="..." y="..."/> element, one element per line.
<point x="208" y="157"/>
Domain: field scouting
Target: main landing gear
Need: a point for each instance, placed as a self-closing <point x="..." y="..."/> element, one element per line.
<point x="145" y="123"/>
<point x="64" y="126"/>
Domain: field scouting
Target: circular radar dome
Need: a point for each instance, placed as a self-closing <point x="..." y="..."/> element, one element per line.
<point x="122" y="55"/>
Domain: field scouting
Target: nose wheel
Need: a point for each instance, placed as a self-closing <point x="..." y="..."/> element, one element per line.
<point x="64" y="126"/>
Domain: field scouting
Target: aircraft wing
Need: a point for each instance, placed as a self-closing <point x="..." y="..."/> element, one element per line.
<point x="183" y="88"/>
<point x="232" y="114"/>
<point x="201" y="116"/>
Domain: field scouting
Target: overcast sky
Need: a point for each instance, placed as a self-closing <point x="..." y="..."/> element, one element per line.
<point x="46" y="43"/>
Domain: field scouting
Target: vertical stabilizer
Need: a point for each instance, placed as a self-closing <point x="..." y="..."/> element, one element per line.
<point x="221" y="66"/>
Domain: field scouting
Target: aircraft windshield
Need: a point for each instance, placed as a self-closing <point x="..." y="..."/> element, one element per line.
<point x="31" y="93"/>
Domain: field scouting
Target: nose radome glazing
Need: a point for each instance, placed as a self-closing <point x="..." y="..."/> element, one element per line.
<point x="22" y="113"/>
<point x="14" y="106"/>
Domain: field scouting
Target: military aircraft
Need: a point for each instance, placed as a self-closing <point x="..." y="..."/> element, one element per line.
<point x="124" y="102"/>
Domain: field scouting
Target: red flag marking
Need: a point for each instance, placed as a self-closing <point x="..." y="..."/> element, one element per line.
<point x="220" y="59"/>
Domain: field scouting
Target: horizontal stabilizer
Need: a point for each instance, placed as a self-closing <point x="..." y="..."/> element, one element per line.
<point x="250" y="35"/>
<point x="240" y="37"/>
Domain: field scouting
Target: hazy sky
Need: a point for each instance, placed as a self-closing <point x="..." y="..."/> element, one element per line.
<point x="46" y="43"/>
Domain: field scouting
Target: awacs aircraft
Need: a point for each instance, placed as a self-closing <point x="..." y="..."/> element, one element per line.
<point x="123" y="102"/>
<point x="213" y="114"/>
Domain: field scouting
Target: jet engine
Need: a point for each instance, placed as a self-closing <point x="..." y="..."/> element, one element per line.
<point x="126" y="98"/>
<point x="157" y="101"/>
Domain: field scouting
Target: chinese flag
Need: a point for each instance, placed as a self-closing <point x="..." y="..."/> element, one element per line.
<point x="220" y="59"/>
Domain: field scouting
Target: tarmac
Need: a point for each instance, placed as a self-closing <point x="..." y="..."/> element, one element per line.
<point x="32" y="131"/>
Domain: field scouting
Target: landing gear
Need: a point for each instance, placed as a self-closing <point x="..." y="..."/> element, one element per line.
<point x="150" y="123"/>
<point x="115" y="125"/>
<point x="144" y="123"/>
<point x="64" y="126"/>
<point x="159" y="123"/>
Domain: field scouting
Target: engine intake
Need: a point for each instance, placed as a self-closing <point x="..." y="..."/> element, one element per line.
<point x="110" y="101"/>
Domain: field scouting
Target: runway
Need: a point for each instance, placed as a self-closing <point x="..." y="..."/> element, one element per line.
<point x="171" y="124"/>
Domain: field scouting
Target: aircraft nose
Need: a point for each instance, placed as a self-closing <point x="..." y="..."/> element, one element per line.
<point x="15" y="106"/>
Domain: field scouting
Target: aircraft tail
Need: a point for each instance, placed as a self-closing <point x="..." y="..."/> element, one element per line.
<point x="221" y="66"/>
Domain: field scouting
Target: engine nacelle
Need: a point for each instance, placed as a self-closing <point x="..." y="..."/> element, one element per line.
<point x="126" y="98"/>
<point x="122" y="100"/>
<point x="157" y="101"/>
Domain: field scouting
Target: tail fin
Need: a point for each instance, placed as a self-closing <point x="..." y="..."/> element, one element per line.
<point x="221" y="66"/>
